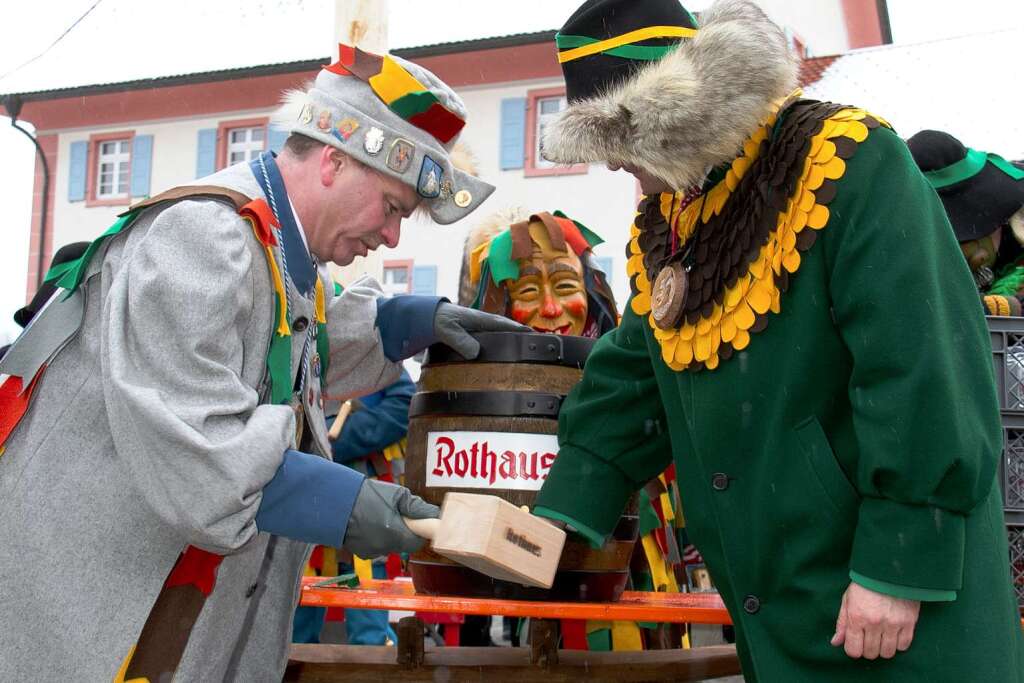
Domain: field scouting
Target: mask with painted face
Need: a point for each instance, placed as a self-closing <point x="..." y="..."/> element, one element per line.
<point x="549" y="294"/>
<point x="539" y="272"/>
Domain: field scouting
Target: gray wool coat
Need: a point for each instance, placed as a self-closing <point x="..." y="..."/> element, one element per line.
<point x="148" y="433"/>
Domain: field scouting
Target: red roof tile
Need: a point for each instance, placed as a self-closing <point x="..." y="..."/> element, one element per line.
<point x="812" y="68"/>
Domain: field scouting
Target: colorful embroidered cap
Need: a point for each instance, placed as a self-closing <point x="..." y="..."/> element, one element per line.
<point x="395" y="117"/>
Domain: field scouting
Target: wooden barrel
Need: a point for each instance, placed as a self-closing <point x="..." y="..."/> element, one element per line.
<point x="490" y="426"/>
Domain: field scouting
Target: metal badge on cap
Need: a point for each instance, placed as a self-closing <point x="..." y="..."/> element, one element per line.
<point x="463" y="198"/>
<point x="400" y="155"/>
<point x="343" y="131"/>
<point x="307" y="114"/>
<point x="429" y="184"/>
<point x="373" y="142"/>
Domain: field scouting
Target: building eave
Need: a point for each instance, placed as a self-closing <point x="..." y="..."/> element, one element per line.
<point x="304" y="66"/>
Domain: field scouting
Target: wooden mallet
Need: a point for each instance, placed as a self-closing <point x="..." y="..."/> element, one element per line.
<point x="339" y="421"/>
<point x="494" y="537"/>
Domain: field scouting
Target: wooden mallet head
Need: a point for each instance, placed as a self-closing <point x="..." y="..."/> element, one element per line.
<point x="494" y="537"/>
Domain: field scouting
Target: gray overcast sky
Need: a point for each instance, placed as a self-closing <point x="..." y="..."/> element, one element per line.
<point x="33" y="26"/>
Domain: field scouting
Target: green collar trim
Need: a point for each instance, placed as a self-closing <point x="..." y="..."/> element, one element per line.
<point x="596" y="539"/>
<point x="970" y="166"/>
<point x="69" y="275"/>
<point x="904" y="592"/>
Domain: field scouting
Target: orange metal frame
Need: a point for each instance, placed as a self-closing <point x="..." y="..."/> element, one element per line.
<point x="693" y="608"/>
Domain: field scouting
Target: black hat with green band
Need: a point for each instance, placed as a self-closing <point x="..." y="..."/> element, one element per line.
<point x="979" y="190"/>
<point x="605" y="41"/>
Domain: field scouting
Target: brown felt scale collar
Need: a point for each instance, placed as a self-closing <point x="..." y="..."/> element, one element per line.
<point x="745" y="236"/>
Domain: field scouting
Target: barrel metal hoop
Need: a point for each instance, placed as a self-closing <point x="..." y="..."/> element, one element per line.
<point x="507" y="347"/>
<point x="486" y="403"/>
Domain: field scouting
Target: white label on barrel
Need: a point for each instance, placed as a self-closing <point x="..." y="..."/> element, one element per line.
<point x="486" y="460"/>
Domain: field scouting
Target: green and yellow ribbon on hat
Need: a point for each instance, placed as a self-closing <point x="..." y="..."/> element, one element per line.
<point x="576" y="47"/>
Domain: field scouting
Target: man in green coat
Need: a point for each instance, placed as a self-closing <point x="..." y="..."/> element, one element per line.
<point x="803" y="341"/>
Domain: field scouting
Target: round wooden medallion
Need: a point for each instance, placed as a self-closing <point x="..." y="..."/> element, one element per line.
<point x="669" y="295"/>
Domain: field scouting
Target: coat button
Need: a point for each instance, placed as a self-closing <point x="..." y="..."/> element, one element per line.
<point x="751" y="604"/>
<point x="251" y="590"/>
<point x="300" y="325"/>
<point x="719" y="481"/>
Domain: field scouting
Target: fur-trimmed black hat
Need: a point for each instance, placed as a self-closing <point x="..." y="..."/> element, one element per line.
<point x="648" y="88"/>
<point x="605" y="41"/>
<point x="69" y="252"/>
<point x="980" y="191"/>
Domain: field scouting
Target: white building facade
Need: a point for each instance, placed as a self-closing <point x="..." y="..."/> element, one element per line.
<point x="110" y="145"/>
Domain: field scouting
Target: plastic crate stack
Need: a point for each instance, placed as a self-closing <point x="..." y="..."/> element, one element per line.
<point x="1008" y="354"/>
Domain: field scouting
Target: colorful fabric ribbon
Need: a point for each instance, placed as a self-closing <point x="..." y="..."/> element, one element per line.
<point x="621" y="46"/>
<point x="400" y="91"/>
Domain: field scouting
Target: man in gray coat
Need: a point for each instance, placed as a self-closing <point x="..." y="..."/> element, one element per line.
<point x="164" y="465"/>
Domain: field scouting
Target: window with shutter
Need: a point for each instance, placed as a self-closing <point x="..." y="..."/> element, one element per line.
<point x="109" y="177"/>
<point x="542" y="106"/>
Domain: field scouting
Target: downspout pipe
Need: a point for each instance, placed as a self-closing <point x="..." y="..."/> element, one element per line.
<point x="13" y="105"/>
<point x="885" y="27"/>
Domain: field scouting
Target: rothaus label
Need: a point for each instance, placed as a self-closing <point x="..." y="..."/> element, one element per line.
<point x="522" y="541"/>
<point x="485" y="460"/>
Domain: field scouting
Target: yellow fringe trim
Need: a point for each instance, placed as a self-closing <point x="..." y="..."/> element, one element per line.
<point x="363" y="569"/>
<point x="661" y="574"/>
<point x="755" y="292"/>
<point x="282" y="298"/>
<point x="119" y="676"/>
<point x="319" y="306"/>
<point x="626" y="637"/>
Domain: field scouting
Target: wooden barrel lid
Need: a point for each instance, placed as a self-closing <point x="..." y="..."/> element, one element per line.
<point x="519" y="347"/>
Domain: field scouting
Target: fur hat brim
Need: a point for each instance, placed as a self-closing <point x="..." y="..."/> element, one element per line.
<point x="690" y="111"/>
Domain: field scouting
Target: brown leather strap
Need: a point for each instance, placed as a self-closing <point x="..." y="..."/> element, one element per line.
<point x="192" y="191"/>
<point x="554" y="229"/>
<point x="522" y="243"/>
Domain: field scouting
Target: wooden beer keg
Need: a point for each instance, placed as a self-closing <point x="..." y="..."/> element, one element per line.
<point x="489" y="425"/>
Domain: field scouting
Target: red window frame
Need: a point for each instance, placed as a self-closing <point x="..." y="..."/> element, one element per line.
<point x="530" y="168"/>
<point x="400" y="263"/>
<point x="92" y="170"/>
<point x="224" y="127"/>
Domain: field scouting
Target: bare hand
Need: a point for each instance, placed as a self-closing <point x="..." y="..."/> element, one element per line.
<point x="872" y="624"/>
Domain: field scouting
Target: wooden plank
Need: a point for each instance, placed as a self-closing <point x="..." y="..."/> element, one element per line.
<point x="543" y="642"/>
<point x="323" y="663"/>
<point x="693" y="608"/>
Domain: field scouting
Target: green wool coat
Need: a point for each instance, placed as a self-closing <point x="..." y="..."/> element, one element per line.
<point x="858" y="432"/>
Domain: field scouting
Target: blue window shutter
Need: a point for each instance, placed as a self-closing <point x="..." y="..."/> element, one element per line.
<point x="604" y="263"/>
<point x="513" y="132"/>
<point x="424" y="280"/>
<point x="78" y="168"/>
<point x="276" y="139"/>
<point x="142" y="164"/>
<point x="206" y="152"/>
